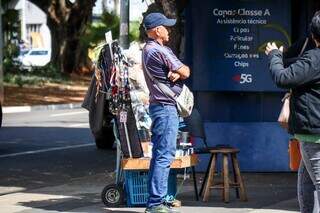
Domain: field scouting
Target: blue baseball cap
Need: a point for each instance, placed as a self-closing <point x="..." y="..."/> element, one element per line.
<point x="153" y="20"/>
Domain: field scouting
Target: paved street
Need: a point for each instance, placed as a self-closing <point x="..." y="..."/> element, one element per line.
<point x="49" y="163"/>
<point x="51" y="149"/>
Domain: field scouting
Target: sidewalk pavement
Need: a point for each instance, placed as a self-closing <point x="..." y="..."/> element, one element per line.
<point x="267" y="193"/>
<point x="17" y="109"/>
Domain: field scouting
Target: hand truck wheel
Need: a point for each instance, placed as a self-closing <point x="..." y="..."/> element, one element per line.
<point x="112" y="195"/>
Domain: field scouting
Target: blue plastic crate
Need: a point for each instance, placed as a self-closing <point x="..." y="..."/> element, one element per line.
<point x="136" y="184"/>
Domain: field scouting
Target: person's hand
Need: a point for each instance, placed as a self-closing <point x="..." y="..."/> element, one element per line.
<point x="272" y="46"/>
<point x="173" y="76"/>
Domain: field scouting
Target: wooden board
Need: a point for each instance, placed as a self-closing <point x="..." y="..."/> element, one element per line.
<point x="144" y="163"/>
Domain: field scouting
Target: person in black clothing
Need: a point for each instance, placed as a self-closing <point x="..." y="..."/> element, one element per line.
<point x="305" y="187"/>
<point x="293" y="53"/>
<point x="303" y="78"/>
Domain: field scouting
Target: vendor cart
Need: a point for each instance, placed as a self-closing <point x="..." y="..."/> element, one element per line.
<point x="132" y="164"/>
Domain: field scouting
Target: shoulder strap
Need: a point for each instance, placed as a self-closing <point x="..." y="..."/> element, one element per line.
<point x="301" y="53"/>
<point x="304" y="46"/>
<point x="164" y="88"/>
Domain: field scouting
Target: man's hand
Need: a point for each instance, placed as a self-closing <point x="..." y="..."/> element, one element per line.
<point x="272" y="46"/>
<point x="173" y="76"/>
<point x="184" y="72"/>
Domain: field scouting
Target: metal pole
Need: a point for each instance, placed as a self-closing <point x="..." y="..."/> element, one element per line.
<point x="127" y="139"/>
<point x="1" y="56"/>
<point x="118" y="161"/>
<point x="124" y="24"/>
<point x="23" y="21"/>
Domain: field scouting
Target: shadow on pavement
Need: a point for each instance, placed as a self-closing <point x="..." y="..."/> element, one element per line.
<point x="273" y="196"/>
<point x="20" y="167"/>
<point x="124" y="211"/>
<point x="264" y="190"/>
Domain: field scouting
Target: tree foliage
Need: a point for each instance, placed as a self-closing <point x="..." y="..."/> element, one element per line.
<point x="108" y="21"/>
<point x="68" y="22"/>
<point x="11" y="32"/>
<point x="95" y="33"/>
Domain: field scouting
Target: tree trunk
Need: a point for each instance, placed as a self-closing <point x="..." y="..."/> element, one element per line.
<point x="67" y="23"/>
<point x="171" y="9"/>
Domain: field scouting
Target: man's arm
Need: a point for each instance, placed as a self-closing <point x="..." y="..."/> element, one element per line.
<point x="181" y="73"/>
<point x="177" y="70"/>
<point x="184" y="72"/>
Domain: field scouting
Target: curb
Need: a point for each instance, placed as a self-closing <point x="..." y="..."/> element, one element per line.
<point x="17" y="109"/>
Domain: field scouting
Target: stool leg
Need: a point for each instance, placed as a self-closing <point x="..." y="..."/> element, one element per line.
<point x="205" y="176"/>
<point x="195" y="183"/>
<point x="235" y="179"/>
<point x="209" y="181"/>
<point x="226" y="185"/>
<point x="243" y="194"/>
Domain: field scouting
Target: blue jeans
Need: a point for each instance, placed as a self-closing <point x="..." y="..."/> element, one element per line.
<point x="165" y="123"/>
<point x="310" y="153"/>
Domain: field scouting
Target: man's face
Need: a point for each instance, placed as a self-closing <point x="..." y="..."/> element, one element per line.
<point x="163" y="33"/>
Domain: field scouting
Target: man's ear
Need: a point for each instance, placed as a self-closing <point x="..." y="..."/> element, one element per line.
<point x="157" y="31"/>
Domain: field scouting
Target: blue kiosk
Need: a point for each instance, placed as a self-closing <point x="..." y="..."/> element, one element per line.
<point x="233" y="90"/>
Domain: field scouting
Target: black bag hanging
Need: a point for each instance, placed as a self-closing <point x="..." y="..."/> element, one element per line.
<point x="131" y="128"/>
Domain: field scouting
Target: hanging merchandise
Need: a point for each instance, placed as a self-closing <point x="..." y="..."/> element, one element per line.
<point x="139" y="92"/>
<point x="120" y="89"/>
<point x="112" y="76"/>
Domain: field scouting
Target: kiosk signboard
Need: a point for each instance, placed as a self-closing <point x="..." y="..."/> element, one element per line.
<point x="229" y="38"/>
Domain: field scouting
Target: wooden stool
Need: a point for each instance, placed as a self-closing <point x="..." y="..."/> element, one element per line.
<point x="226" y="183"/>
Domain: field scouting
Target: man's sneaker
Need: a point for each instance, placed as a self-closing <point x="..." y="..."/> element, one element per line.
<point x="160" y="209"/>
<point x="171" y="209"/>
